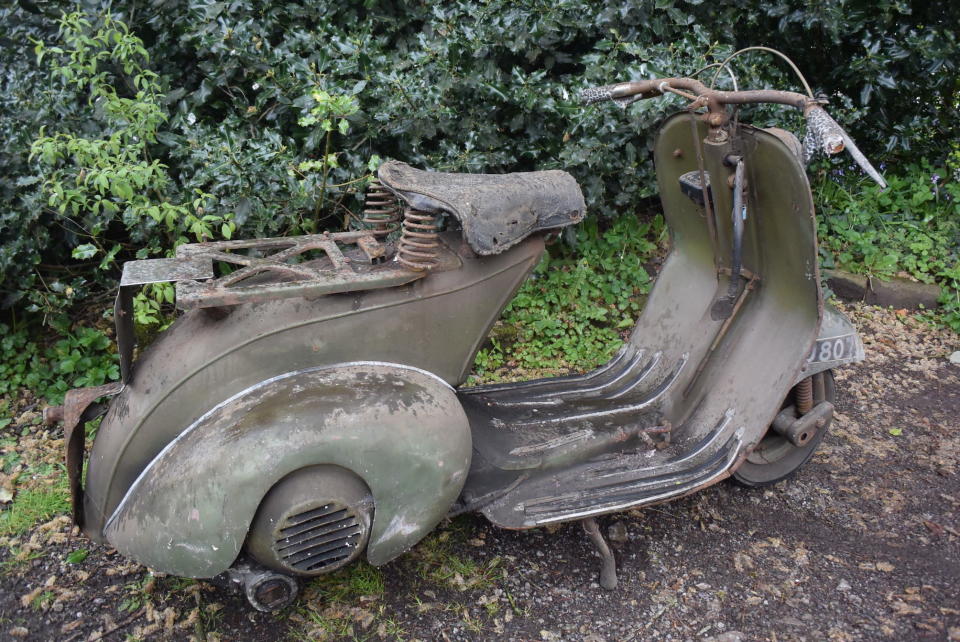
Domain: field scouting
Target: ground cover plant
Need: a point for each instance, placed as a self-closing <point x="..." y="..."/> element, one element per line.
<point x="910" y="229"/>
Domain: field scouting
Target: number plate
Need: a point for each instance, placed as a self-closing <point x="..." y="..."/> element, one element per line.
<point x="835" y="349"/>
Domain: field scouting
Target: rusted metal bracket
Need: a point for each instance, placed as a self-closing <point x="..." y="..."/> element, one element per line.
<point x="800" y="430"/>
<point x="77" y="409"/>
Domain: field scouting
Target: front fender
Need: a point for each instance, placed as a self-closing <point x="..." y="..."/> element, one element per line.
<point x="399" y="428"/>
<point x="837" y="343"/>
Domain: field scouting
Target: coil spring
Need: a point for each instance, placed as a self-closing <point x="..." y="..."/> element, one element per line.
<point x="381" y="213"/>
<point x="804" y="396"/>
<point x="419" y="244"/>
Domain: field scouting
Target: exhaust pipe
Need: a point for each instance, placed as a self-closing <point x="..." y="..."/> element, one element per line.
<point x="265" y="590"/>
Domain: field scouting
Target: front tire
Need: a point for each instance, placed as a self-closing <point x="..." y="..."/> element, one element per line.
<point x="775" y="458"/>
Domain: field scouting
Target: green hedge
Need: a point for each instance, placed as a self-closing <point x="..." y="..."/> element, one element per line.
<point x="244" y="147"/>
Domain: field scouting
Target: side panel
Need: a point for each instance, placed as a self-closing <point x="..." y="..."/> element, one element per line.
<point x="401" y="429"/>
<point x="435" y="324"/>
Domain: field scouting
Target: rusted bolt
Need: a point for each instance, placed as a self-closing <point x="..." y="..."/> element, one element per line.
<point x="678" y="153"/>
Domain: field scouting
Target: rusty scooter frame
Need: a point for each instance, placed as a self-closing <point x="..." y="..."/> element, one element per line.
<point x="306" y="408"/>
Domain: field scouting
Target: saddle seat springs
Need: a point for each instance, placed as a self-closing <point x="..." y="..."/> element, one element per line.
<point x="419" y="245"/>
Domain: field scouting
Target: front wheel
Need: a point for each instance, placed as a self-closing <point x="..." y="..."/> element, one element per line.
<point x="775" y="458"/>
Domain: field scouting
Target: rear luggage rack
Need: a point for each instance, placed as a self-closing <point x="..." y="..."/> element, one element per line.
<point x="271" y="268"/>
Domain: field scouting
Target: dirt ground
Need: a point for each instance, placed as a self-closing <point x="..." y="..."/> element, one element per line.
<point x="863" y="544"/>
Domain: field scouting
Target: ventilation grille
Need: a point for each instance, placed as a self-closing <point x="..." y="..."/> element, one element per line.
<point x="321" y="539"/>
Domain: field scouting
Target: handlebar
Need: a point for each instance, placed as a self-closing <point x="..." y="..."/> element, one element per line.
<point x="822" y="130"/>
<point x="694" y="90"/>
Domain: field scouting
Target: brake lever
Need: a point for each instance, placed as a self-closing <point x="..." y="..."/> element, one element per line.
<point x="825" y="133"/>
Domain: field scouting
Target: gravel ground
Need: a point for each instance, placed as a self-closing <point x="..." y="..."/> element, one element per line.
<point x="863" y="544"/>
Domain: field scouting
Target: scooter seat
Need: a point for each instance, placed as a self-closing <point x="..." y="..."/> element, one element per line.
<point x="496" y="211"/>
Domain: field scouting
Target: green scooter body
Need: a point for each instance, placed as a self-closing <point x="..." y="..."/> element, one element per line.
<point x="222" y="408"/>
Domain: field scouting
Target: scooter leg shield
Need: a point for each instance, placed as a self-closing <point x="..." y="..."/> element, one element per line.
<point x="400" y="429"/>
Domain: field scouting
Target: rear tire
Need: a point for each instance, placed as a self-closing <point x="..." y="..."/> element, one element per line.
<point x="775" y="459"/>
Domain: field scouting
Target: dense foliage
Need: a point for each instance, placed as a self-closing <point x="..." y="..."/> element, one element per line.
<point x="911" y="229"/>
<point x="205" y="119"/>
<point x="576" y="308"/>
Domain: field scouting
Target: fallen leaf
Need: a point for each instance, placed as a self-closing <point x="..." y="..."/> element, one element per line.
<point x="25" y="600"/>
<point x="933" y="527"/>
<point x="886" y="567"/>
<point x="901" y="608"/>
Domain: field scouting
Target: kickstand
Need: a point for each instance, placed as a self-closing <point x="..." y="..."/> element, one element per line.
<point x="608" y="565"/>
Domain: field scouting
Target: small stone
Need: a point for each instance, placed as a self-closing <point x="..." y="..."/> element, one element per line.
<point x="844" y="585"/>
<point x="617" y="532"/>
<point x="955" y="358"/>
<point x="729" y="636"/>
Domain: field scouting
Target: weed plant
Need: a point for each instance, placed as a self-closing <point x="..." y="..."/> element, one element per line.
<point x="571" y="314"/>
<point x="81" y="357"/>
<point x="911" y="228"/>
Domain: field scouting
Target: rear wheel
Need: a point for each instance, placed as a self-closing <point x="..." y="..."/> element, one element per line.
<point x="775" y="458"/>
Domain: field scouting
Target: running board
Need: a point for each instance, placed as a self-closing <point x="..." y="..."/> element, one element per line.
<point x="619" y="482"/>
<point x="538" y="424"/>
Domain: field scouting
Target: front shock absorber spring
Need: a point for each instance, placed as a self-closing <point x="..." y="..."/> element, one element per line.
<point x="419" y="245"/>
<point x="381" y="212"/>
<point x="803" y="395"/>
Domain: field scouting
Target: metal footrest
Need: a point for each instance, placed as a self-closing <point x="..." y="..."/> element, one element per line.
<point x="618" y="482"/>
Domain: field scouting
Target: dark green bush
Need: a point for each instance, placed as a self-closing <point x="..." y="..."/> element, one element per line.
<point x="464" y="85"/>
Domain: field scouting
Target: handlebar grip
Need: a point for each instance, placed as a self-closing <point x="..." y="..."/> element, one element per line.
<point x="622" y="93"/>
<point x="592" y="95"/>
<point x="822" y="131"/>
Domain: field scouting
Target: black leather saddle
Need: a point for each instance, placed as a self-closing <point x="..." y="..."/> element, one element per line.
<point x="496" y="211"/>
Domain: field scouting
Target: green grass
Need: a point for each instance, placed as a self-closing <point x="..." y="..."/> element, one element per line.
<point x="434" y="561"/>
<point x="346" y="585"/>
<point x="33" y="506"/>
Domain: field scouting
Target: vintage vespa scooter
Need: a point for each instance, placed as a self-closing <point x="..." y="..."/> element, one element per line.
<point x="306" y="410"/>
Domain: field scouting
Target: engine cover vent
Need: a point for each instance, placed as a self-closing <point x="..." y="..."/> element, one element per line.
<point x="321" y="539"/>
<point x="313" y="521"/>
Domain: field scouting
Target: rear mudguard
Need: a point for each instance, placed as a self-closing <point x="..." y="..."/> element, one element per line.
<point x="399" y="428"/>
